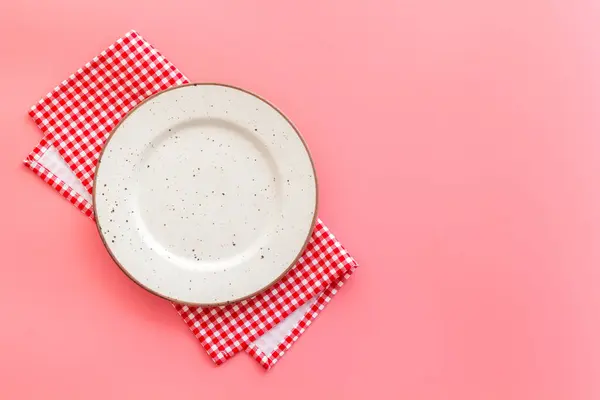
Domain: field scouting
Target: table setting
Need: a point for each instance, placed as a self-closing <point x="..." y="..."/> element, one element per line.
<point x="187" y="204"/>
<point x="204" y="194"/>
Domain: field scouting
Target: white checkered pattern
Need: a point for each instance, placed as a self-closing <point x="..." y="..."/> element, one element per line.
<point x="77" y="117"/>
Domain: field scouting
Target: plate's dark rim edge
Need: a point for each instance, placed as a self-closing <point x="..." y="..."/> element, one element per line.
<point x="310" y="232"/>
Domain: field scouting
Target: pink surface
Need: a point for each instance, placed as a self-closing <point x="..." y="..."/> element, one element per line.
<point x="458" y="150"/>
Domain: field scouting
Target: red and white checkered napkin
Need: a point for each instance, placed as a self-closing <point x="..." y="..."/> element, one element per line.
<point x="77" y="117"/>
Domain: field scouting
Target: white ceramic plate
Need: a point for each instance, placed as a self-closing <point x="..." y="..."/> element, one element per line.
<point x="205" y="194"/>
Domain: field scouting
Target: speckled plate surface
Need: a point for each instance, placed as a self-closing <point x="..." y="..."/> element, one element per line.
<point x="205" y="194"/>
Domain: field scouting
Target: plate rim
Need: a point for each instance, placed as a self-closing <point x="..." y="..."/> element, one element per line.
<point x="308" y="236"/>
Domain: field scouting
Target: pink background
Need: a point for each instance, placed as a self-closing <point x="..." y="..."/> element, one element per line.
<point x="458" y="150"/>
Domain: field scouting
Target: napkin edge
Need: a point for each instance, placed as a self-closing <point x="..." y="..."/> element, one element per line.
<point x="267" y="361"/>
<point x="72" y="76"/>
<point x="66" y="192"/>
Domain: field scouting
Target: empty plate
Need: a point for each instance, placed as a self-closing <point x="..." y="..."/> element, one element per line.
<point x="205" y="194"/>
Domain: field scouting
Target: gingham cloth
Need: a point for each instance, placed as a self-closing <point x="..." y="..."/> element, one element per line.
<point x="77" y="117"/>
